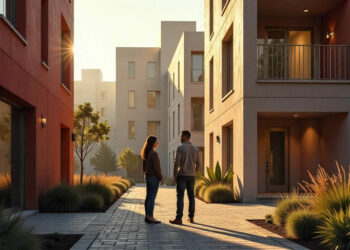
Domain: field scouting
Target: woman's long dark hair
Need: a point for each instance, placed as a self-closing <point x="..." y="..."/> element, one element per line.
<point x="148" y="146"/>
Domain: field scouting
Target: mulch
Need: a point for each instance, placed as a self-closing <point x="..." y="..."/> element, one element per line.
<point x="311" y="244"/>
<point x="65" y="242"/>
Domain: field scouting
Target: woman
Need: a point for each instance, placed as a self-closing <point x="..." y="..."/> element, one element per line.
<point x="153" y="173"/>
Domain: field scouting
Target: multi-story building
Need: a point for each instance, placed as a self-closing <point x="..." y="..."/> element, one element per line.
<point x="102" y="96"/>
<point x="142" y="77"/>
<point x="36" y="99"/>
<point x="186" y="94"/>
<point x="277" y="90"/>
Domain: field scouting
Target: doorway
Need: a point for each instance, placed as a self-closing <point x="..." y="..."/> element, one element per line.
<point x="65" y="155"/>
<point x="277" y="160"/>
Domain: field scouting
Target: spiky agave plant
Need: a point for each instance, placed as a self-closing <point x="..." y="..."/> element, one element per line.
<point x="217" y="176"/>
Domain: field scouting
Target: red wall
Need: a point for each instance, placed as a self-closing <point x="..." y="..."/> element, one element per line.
<point x="26" y="82"/>
<point x="338" y="21"/>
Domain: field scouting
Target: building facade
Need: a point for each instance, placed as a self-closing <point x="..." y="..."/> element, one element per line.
<point x="277" y="96"/>
<point x="142" y="77"/>
<point x="102" y="96"/>
<point x="186" y="94"/>
<point x="36" y="98"/>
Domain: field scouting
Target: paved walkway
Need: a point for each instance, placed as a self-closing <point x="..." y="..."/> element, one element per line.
<point x="218" y="226"/>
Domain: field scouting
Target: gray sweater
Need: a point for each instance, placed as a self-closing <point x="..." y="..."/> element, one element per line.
<point x="187" y="160"/>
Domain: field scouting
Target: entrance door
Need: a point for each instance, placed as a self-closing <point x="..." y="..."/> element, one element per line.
<point x="277" y="160"/>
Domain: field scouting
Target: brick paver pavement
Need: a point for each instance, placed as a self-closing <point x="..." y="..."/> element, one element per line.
<point x="218" y="226"/>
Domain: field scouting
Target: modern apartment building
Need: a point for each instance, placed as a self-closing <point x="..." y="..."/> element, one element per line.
<point x="277" y="90"/>
<point x="36" y="99"/>
<point x="102" y="96"/>
<point x="142" y="77"/>
<point x="186" y="94"/>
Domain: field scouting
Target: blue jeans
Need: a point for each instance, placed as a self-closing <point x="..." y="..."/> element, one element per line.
<point x="182" y="183"/>
<point x="152" y="185"/>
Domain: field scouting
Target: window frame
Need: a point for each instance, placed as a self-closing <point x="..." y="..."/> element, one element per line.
<point x="134" y="132"/>
<point x="134" y="76"/>
<point x="211" y="84"/>
<point x="193" y="53"/>
<point x="193" y="127"/>
<point x="155" y="71"/>
<point x="134" y="92"/>
<point x="227" y="65"/>
<point x="157" y="99"/>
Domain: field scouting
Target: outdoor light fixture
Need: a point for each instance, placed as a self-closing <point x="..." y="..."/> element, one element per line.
<point x="43" y="121"/>
<point x="330" y="34"/>
<point x="306" y="11"/>
<point x="295" y="115"/>
<point x="218" y="139"/>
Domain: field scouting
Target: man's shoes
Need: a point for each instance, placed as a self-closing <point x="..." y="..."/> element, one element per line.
<point x="176" y="222"/>
<point x="191" y="220"/>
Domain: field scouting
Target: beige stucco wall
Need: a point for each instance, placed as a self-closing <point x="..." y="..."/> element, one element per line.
<point x="89" y="89"/>
<point x="189" y="42"/>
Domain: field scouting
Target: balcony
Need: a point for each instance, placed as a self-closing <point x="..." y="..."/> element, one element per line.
<point x="303" y="63"/>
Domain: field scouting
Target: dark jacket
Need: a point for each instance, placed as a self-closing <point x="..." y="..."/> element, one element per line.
<point x="151" y="165"/>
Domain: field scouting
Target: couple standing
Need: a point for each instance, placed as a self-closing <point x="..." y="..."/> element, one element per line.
<point x="185" y="167"/>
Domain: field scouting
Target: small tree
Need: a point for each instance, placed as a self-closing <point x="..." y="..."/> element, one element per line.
<point x="104" y="159"/>
<point x="128" y="160"/>
<point x="89" y="131"/>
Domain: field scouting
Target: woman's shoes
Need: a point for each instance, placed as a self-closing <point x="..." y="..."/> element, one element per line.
<point x="151" y="221"/>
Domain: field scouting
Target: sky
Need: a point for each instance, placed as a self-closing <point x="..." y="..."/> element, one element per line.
<point x="102" y="25"/>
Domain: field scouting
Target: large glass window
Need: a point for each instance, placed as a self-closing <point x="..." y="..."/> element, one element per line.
<point x="15" y="13"/>
<point x="66" y="55"/>
<point x="131" y="99"/>
<point x="153" y="128"/>
<point x="45" y="31"/>
<point x="151" y="70"/>
<point x="131" y="128"/>
<point x="227" y="63"/>
<point x="211" y="85"/>
<point x="153" y="99"/>
<point x="131" y="70"/>
<point x="197" y="67"/>
<point x="197" y="108"/>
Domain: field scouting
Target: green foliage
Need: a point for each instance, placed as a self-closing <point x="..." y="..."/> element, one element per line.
<point x="217" y="176"/>
<point x="126" y="182"/>
<point x="201" y="191"/>
<point x="116" y="191"/>
<point x="335" y="198"/>
<point x="61" y="199"/>
<point x="92" y="202"/>
<point x="121" y="186"/>
<point x="197" y="186"/>
<point x="100" y="189"/>
<point x="129" y="160"/>
<point x="89" y="130"/>
<point x="286" y="206"/>
<point x="302" y="224"/>
<point x="218" y="193"/>
<point x="269" y="218"/>
<point x="13" y="236"/>
<point x="104" y="159"/>
<point x="132" y="182"/>
<point x="335" y="231"/>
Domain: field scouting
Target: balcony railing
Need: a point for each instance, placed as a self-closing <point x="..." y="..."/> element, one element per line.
<point x="286" y="62"/>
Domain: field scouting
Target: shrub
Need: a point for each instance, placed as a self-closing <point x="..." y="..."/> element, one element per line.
<point x="126" y="183"/>
<point x="286" y="206"/>
<point x="133" y="183"/>
<point x="269" y="218"/>
<point x="121" y="186"/>
<point x="202" y="191"/>
<point x="197" y="187"/>
<point x="116" y="191"/>
<point x="14" y="236"/>
<point x="218" y="193"/>
<point x="302" y="224"/>
<point x="103" y="179"/>
<point x="101" y="189"/>
<point x="92" y="202"/>
<point x="336" y="198"/>
<point x="60" y="199"/>
<point x="335" y="230"/>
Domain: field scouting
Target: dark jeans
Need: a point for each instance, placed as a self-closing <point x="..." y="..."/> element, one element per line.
<point x="182" y="183"/>
<point x="152" y="185"/>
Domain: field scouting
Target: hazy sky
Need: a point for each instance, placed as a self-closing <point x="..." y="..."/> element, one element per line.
<point x="103" y="25"/>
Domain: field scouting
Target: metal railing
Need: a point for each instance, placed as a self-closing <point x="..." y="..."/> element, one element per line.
<point x="303" y="62"/>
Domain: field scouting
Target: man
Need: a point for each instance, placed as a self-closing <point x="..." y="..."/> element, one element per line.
<point x="185" y="168"/>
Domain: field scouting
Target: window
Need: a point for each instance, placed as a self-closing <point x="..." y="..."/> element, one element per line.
<point x="211" y="17"/>
<point x="197" y="67"/>
<point x="178" y="119"/>
<point x="169" y="132"/>
<point x="173" y="85"/>
<point x="103" y="95"/>
<point x="178" y="76"/>
<point x="197" y="110"/>
<point x="131" y="128"/>
<point x="131" y="101"/>
<point x="224" y="4"/>
<point x="169" y="94"/>
<point x="153" y="99"/>
<point x="103" y="111"/>
<point x="173" y="124"/>
<point x="15" y="13"/>
<point x="45" y="31"/>
<point x="227" y="63"/>
<point x="227" y="147"/>
<point x="211" y="150"/>
<point x="66" y="55"/>
<point x="201" y="159"/>
<point x="153" y="128"/>
<point x="131" y="70"/>
<point x="151" y="70"/>
<point x="211" y="84"/>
